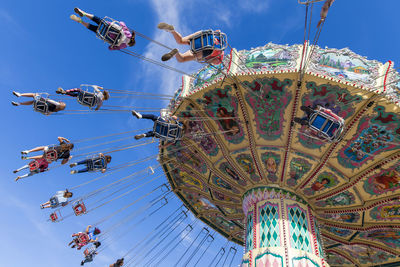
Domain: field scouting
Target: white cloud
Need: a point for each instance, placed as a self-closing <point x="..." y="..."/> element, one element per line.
<point x="255" y="6"/>
<point x="10" y="25"/>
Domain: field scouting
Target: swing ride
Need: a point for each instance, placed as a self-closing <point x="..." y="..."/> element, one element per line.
<point x="291" y="151"/>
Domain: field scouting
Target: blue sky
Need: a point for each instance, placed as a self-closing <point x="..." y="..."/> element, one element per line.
<point x="42" y="49"/>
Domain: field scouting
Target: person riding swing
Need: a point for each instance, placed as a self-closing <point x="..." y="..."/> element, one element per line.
<point x="40" y="103"/>
<point x="322" y="122"/>
<point x="115" y="33"/>
<point x="87" y="98"/>
<point x="52" y="153"/>
<point x="96" y="163"/>
<point x="81" y="239"/>
<point x="90" y="253"/>
<point x="35" y="166"/>
<point x="59" y="199"/>
<point x="167" y="129"/>
<point x="205" y="46"/>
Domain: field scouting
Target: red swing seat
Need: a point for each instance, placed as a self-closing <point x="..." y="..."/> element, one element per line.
<point x="79" y="208"/>
<point x="51" y="155"/>
<point x="33" y="165"/>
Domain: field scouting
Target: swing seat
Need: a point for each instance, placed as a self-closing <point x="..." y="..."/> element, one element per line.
<point x="110" y="31"/>
<point x="33" y="165"/>
<point x="55" y="216"/>
<point x="54" y="202"/>
<point x="40" y="103"/>
<point x="79" y="208"/>
<point x="96" y="163"/>
<point x="168" y="131"/>
<point x="83" y="239"/>
<point x="87" y="252"/>
<point x="327" y="125"/>
<point x="213" y="42"/>
<point x="51" y="154"/>
<point x="88" y="99"/>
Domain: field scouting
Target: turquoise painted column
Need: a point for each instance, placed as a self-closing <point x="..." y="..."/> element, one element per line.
<point x="280" y="230"/>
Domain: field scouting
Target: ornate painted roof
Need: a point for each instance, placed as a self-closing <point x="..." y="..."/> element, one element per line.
<point x="241" y="136"/>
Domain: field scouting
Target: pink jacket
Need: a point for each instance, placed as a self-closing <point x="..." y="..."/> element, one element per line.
<point x="127" y="34"/>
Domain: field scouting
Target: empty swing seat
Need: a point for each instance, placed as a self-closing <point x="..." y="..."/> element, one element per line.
<point x="168" y="131"/>
<point x="79" y="208"/>
<point x="54" y="217"/>
<point x="326" y="126"/>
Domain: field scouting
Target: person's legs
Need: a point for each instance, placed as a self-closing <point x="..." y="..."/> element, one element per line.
<point x="186" y="39"/>
<point x="149" y="117"/>
<point x="83" y="170"/>
<point x="149" y="134"/>
<point x="73" y="92"/>
<point x="33" y="157"/>
<point x="25" y="175"/>
<point x="187" y="56"/>
<point x="29" y="95"/>
<point x="22" y="168"/>
<point x="82" y="162"/>
<point x="39" y="148"/>
<point x="45" y="205"/>
<point x="27" y="103"/>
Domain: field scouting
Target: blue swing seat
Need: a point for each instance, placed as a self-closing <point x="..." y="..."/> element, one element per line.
<point x="208" y="40"/>
<point x="96" y="163"/>
<point x="168" y="131"/>
<point x="325" y="125"/>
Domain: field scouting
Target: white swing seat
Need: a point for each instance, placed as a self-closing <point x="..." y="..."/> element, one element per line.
<point x="40" y="103"/>
<point x="87" y="96"/>
<point x="110" y="31"/>
<point x="326" y="125"/>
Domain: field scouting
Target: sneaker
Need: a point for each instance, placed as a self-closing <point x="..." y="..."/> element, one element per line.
<point x="73" y="164"/>
<point x="60" y="91"/>
<point x="16" y="94"/>
<point x="76" y="18"/>
<point x="165" y="26"/>
<point x="139" y="136"/>
<point x="24" y="152"/>
<point x="41" y="206"/>
<point x="73" y="172"/>
<point x="14" y="103"/>
<point x="15" y="171"/>
<point x="82" y="263"/>
<point x="24" y="157"/>
<point x="16" y="179"/>
<point x="169" y="55"/>
<point x="79" y="12"/>
<point x="136" y="114"/>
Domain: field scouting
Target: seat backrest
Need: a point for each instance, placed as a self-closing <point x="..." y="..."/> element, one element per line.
<point x="109" y="31"/>
<point x="79" y="208"/>
<point x="40" y="105"/>
<point x="53" y="217"/>
<point x="86" y="98"/>
<point x="208" y="39"/>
